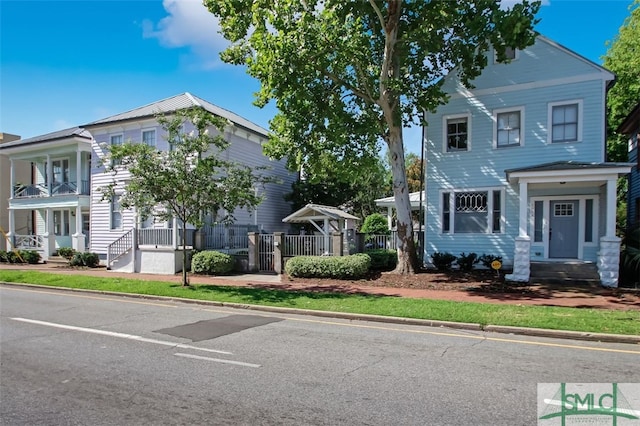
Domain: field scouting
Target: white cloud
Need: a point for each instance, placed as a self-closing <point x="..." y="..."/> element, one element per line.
<point x="189" y="24"/>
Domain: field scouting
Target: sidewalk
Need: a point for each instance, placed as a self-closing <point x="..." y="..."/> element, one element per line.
<point x="587" y="297"/>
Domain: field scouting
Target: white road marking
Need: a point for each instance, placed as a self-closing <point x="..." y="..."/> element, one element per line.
<point x="224" y="361"/>
<point x="120" y="335"/>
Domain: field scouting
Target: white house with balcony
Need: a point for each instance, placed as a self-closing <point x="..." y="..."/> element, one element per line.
<point x="53" y="201"/>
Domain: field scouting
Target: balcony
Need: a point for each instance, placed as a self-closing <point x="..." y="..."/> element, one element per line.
<point x="57" y="188"/>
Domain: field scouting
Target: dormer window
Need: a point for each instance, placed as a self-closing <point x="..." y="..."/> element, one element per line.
<point x="510" y="54"/>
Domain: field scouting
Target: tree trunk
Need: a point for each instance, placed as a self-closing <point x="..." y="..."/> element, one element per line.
<point x="185" y="279"/>
<point x="407" y="257"/>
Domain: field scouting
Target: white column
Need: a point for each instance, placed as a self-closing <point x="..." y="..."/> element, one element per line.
<point x="12" y="226"/>
<point x="49" y="172"/>
<point x="389" y="218"/>
<point x="78" y="236"/>
<point x="610" y="230"/>
<point x="12" y="180"/>
<point x="175" y="233"/>
<point x="49" y="237"/>
<point x="522" y="249"/>
<point x="78" y="172"/>
<point x="609" y="253"/>
<point x="327" y="235"/>
<point x="524" y="203"/>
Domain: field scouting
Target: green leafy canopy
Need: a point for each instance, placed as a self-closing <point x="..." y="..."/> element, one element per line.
<point x="346" y="74"/>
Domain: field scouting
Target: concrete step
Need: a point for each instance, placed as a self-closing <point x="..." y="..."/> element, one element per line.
<point x="564" y="272"/>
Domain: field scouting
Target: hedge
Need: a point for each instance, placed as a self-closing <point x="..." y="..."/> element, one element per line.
<point x="211" y="263"/>
<point x="383" y="259"/>
<point x="340" y="267"/>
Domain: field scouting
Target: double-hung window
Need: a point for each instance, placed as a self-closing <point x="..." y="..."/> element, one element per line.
<point x="116" y="140"/>
<point x="149" y="137"/>
<point x="116" y="213"/>
<point x="457" y="133"/>
<point x="565" y="121"/>
<point x="509" y="127"/>
<point x="472" y="212"/>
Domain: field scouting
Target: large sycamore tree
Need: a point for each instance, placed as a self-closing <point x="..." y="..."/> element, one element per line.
<point x="190" y="180"/>
<point x="345" y="74"/>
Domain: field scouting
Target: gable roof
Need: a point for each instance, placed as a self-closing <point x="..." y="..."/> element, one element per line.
<point x="317" y="212"/>
<point x="575" y="55"/>
<point x="49" y="137"/>
<point x="174" y="103"/>
<point x="605" y="73"/>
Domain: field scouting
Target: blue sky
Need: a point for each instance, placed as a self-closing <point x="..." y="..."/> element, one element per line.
<point x="67" y="63"/>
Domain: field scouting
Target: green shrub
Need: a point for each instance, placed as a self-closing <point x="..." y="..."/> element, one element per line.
<point x="90" y="260"/>
<point x="488" y="259"/>
<point x="212" y="263"/>
<point x="12" y="257"/>
<point x="443" y="261"/>
<point x="3" y="256"/>
<point x="339" y="267"/>
<point x="382" y="259"/>
<point x="375" y="224"/>
<point x="466" y="261"/>
<point x="76" y="260"/>
<point x="66" y="252"/>
<point x="30" y="256"/>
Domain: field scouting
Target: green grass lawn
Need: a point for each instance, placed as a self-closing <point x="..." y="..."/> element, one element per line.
<point x="577" y="319"/>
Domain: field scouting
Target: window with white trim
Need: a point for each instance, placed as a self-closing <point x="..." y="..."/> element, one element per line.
<point x="116" y="213"/>
<point x="565" y="123"/>
<point x="116" y="139"/>
<point x="457" y="134"/>
<point x="472" y="212"/>
<point x="149" y="137"/>
<point x="508" y="128"/>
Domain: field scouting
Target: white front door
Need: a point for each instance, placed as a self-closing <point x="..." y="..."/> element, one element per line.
<point x="563" y="229"/>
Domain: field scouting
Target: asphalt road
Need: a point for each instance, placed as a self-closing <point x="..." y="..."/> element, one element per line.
<point x="87" y="359"/>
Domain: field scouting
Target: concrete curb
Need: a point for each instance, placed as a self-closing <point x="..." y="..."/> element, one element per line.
<point x="535" y="332"/>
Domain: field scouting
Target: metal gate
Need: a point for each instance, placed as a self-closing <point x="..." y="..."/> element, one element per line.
<point x="265" y="252"/>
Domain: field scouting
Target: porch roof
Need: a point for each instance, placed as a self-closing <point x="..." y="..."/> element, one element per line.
<point x="71" y="132"/>
<point x="568" y="171"/>
<point x="414" y="198"/>
<point x="312" y="212"/>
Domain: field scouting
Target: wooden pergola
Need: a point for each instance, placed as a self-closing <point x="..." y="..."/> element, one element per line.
<point x="325" y="219"/>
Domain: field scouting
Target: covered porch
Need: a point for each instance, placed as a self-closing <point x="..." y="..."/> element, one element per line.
<point x="567" y="213"/>
<point x="50" y="226"/>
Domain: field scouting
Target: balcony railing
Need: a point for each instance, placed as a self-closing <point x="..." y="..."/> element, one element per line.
<point x="30" y="191"/>
<point x="57" y="188"/>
